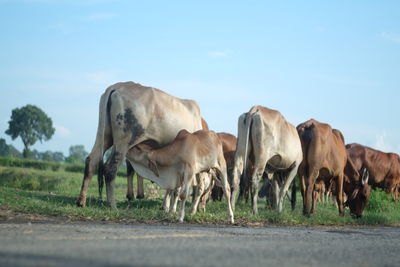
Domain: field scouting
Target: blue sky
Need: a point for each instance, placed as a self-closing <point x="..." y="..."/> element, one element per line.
<point x="335" y="61"/>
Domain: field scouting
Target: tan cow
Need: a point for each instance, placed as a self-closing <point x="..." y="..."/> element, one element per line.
<point x="275" y="146"/>
<point x="130" y="114"/>
<point x="176" y="164"/>
<point x="140" y="185"/>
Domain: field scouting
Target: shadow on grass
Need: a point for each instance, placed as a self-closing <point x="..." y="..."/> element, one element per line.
<point x="94" y="202"/>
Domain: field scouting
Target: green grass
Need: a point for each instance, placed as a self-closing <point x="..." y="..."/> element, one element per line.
<point x="54" y="193"/>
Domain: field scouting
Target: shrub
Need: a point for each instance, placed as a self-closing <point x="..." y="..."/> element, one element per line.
<point x="28" y="163"/>
<point x="74" y="168"/>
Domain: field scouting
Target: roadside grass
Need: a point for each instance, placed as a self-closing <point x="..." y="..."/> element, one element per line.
<point x="52" y="193"/>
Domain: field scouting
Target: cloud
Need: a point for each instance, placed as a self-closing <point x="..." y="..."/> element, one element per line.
<point x="391" y="36"/>
<point x="219" y="54"/>
<point x="62" y="131"/>
<point x="100" y="16"/>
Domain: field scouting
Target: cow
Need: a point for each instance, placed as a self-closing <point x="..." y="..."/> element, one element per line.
<point x="129" y="114"/>
<point x="383" y="168"/>
<point x="276" y="149"/>
<point x="325" y="159"/>
<point x="320" y="191"/>
<point x="175" y="165"/>
<point x="140" y="185"/>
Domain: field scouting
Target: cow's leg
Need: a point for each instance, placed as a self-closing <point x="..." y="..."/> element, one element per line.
<point x="227" y="192"/>
<point x="140" y="187"/>
<point x="302" y="180"/>
<point x="198" y="192"/>
<point x="184" y="194"/>
<point x="110" y="171"/>
<point x="174" y="200"/>
<point x="314" y="200"/>
<point x="287" y="180"/>
<point x="130" y="172"/>
<point x="255" y="180"/>
<point x="206" y="195"/>
<point x="309" y="186"/>
<point x="167" y="200"/>
<point x="91" y="163"/>
<point x="275" y="192"/>
<point x="339" y="195"/>
<point x="237" y="173"/>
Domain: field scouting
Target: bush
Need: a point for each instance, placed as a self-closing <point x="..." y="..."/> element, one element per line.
<point x="29" y="180"/>
<point x="28" y="163"/>
<point x="74" y="168"/>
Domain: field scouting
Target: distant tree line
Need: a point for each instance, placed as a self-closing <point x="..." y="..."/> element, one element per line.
<point x="77" y="154"/>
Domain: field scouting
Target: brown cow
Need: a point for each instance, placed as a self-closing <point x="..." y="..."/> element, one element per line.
<point x="325" y="158"/>
<point x="383" y="168"/>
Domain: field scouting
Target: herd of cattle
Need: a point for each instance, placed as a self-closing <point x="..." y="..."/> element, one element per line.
<point x="166" y="140"/>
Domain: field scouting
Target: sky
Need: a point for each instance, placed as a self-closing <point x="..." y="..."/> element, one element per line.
<point x="335" y="61"/>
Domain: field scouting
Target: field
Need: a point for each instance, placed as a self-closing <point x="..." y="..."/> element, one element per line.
<point x="54" y="192"/>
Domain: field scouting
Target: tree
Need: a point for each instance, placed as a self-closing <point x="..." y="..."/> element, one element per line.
<point x="58" y="157"/>
<point x="77" y="154"/>
<point x="8" y="150"/>
<point x="31" y="124"/>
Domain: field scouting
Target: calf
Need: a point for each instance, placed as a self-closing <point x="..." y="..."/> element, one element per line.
<point x="176" y="164"/>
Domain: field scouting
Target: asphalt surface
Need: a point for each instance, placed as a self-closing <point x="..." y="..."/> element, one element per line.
<point x="95" y="244"/>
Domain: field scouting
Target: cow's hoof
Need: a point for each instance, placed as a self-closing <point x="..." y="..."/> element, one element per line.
<point x="140" y="196"/>
<point x="130" y="198"/>
<point x="80" y="203"/>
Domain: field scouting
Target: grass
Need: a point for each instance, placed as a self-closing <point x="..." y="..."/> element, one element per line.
<point x="54" y="193"/>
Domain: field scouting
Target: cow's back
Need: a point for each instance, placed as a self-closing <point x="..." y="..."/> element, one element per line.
<point x="383" y="168"/>
<point x="159" y="115"/>
<point x="325" y="147"/>
<point x="281" y="135"/>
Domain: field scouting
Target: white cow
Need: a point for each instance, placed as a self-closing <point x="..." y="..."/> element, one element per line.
<point x="276" y="148"/>
<point x="130" y="114"/>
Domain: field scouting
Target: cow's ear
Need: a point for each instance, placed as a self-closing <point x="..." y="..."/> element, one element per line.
<point x="365" y="177"/>
<point x="153" y="167"/>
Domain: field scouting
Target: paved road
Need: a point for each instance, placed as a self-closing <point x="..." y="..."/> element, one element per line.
<point x="76" y="244"/>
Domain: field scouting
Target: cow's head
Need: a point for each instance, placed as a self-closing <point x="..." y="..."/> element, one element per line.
<point x="358" y="200"/>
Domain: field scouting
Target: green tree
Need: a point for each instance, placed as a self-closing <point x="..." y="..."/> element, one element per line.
<point x="77" y="154"/>
<point x="8" y="150"/>
<point x="4" y="148"/>
<point x="58" y="156"/>
<point x="31" y="124"/>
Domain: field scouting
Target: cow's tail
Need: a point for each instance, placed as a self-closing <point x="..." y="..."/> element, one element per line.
<point x="104" y="110"/>
<point x="244" y="179"/>
<point x="306" y="137"/>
